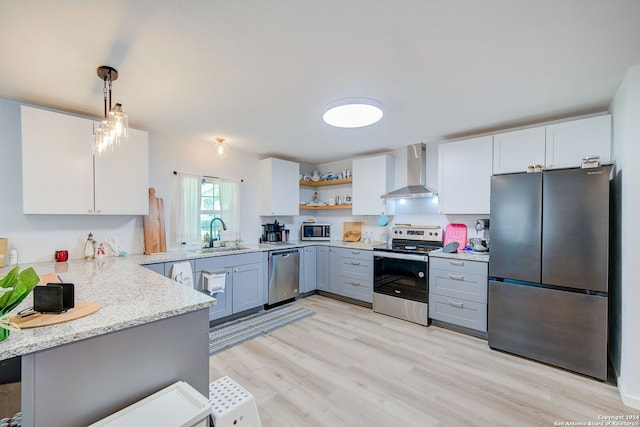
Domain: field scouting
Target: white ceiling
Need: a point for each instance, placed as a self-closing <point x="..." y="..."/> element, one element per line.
<point x="260" y="72"/>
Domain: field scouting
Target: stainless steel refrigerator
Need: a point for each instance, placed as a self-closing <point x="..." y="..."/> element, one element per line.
<point x="548" y="269"/>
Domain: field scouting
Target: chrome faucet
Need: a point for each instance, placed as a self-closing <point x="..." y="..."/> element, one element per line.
<point x="224" y="227"/>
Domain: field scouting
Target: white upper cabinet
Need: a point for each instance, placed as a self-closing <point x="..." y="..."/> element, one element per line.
<point x="464" y="173"/>
<point x="58" y="175"/>
<point x="57" y="163"/>
<point x="569" y="142"/>
<point x="555" y="146"/>
<point x="122" y="177"/>
<point x="279" y="187"/>
<point x="515" y="151"/>
<point x="372" y="177"/>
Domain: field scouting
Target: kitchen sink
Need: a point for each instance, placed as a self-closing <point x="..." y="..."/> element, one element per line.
<point x="221" y="249"/>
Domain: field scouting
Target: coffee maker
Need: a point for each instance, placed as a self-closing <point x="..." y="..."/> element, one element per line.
<point x="482" y="225"/>
<point x="274" y="232"/>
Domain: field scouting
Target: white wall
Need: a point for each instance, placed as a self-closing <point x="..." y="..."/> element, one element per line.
<point x="410" y="211"/>
<point x="625" y="286"/>
<point x="37" y="237"/>
<point x="168" y="153"/>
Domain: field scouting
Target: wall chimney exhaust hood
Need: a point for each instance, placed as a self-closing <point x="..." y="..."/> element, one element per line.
<point x="416" y="175"/>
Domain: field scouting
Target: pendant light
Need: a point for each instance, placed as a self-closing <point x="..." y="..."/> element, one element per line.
<point x="221" y="147"/>
<point x="115" y="125"/>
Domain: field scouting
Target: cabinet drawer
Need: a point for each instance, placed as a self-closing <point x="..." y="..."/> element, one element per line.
<point x="360" y="254"/>
<point x="355" y="268"/>
<point x="458" y="265"/>
<point x="361" y="290"/>
<point x="472" y="287"/>
<point x="459" y="312"/>
<point x="221" y="261"/>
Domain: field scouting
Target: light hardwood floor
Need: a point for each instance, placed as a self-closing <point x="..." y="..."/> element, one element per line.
<point x="349" y="366"/>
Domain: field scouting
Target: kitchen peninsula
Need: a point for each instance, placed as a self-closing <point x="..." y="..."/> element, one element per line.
<point x="149" y="332"/>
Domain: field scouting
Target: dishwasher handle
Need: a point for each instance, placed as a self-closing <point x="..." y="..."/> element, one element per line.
<point x="283" y="254"/>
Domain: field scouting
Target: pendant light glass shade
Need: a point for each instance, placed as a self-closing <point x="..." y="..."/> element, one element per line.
<point x="115" y="125"/>
<point x="353" y="113"/>
<point x="103" y="138"/>
<point x="119" y="122"/>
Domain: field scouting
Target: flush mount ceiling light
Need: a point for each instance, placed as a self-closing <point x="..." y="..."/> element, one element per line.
<point x="353" y="112"/>
<point x="221" y="147"/>
<point x="115" y="125"/>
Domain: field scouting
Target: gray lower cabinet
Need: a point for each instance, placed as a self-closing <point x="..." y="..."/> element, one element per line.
<point x="244" y="286"/>
<point x="165" y="268"/>
<point x="352" y="271"/>
<point x="458" y="292"/>
<point x="247" y="286"/>
<point x="323" y="268"/>
<point x="157" y="267"/>
<point x="168" y="266"/>
<point x="308" y="269"/>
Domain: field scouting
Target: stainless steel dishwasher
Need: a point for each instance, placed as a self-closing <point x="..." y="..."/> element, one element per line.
<point x="284" y="275"/>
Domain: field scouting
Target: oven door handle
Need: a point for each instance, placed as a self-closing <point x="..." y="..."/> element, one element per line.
<point x="408" y="257"/>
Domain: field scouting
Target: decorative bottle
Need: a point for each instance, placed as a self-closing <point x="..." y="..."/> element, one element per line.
<point x="90" y="248"/>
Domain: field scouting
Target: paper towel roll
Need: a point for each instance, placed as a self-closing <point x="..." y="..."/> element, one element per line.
<point x="214" y="282"/>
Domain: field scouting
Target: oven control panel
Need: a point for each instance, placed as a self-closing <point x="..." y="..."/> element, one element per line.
<point x="427" y="233"/>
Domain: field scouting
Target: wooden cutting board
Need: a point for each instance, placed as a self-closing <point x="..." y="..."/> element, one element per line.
<point x="155" y="240"/>
<point x="81" y="309"/>
<point x="352" y="231"/>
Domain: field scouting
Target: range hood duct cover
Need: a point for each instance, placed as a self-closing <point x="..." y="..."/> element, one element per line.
<point x="416" y="175"/>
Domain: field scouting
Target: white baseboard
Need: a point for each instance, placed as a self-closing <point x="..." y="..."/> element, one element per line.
<point x="629" y="399"/>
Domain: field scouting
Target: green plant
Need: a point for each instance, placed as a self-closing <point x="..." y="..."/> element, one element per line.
<point x="14" y="287"/>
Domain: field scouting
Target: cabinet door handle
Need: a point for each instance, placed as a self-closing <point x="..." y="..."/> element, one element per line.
<point x="235" y="270"/>
<point x="355" y="283"/>
<point x="355" y="263"/>
<point x="457" y="263"/>
<point x="355" y="252"/>
<point x="456" y="304"/>
<point x="456" y="277"/>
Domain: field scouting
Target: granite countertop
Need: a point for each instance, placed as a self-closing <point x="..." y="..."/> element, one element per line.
<point x="129" y="296"/>
<point x="189" y="254"/>
<point x="463" y="255"/>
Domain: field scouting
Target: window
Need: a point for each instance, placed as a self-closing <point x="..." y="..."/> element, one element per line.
<point x="198" y="201"/>
<point x="210" y="209"/>
<point x="218" y="199"/>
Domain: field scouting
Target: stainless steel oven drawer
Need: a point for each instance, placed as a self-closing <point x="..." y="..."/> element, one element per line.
<point x="460" y="312"/>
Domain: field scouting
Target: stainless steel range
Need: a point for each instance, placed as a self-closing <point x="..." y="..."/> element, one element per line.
<point x="401" y="274"/>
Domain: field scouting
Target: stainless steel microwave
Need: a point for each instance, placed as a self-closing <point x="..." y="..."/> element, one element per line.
<point x="315" y="231"/>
